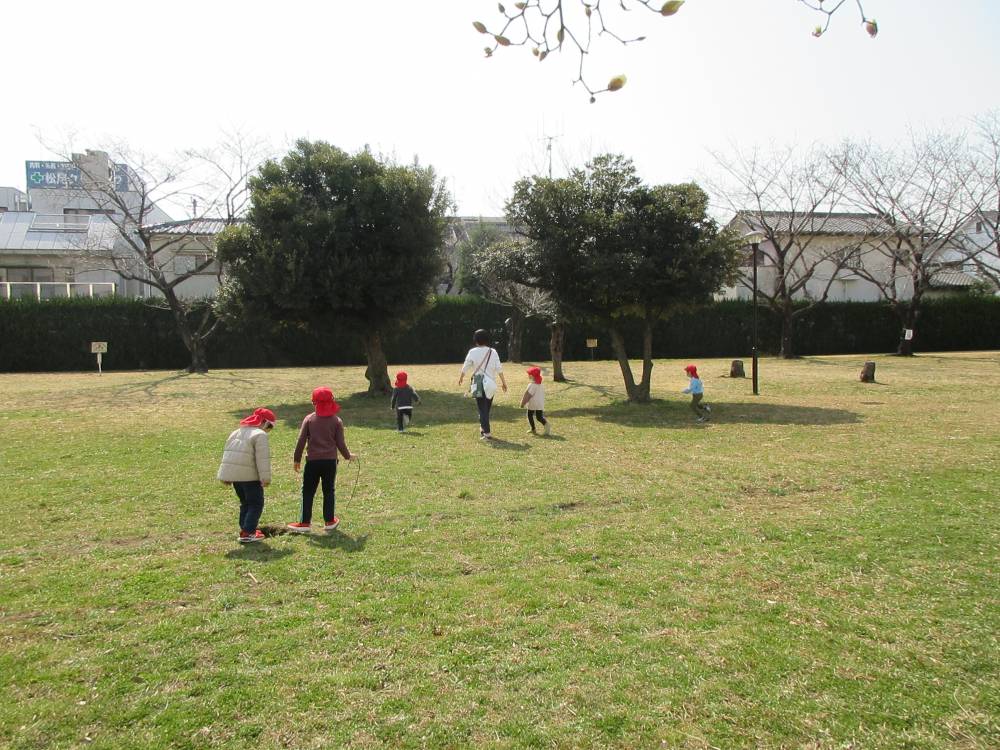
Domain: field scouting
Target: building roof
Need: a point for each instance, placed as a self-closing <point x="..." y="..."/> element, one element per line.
<point x="30" y="232"/>
<point x="197" y="227"/>
<point x="819" y="222"/>
<point x="952" y="278"/>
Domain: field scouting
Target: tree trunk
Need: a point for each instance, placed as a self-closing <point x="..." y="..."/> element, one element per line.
<point x="199" y="362"/>
<point x="647" y="362"/>
<point x="515" y="335"/>
<point x="556" y="340"/>
<point x="377" y="371"/>
<point x="618" y="346"/>
<point x="908" y="318"/>
<point x="787" y="324"/>
<point x="193" y="342"/>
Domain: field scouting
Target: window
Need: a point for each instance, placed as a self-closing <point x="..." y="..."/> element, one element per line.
<point x="27" y="274"/>
<point x="88" y="212"/>
<point x="848" y="258"/>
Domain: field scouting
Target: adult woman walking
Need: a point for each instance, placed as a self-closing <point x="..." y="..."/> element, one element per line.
<point x="483" y="363"/>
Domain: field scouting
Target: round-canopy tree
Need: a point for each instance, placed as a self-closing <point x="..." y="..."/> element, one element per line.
<point x="335" y="238"/>
<point x="608" y="247"/>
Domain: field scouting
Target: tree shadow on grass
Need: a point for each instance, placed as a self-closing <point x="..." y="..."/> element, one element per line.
<point x="149" y="388"/>
<point x="678" y="415"/>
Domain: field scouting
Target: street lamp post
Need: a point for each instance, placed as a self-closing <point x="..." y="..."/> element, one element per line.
<point x="754" y="239"/>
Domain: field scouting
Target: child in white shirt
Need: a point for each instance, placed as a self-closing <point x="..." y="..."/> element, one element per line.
<point x="534" y="400"/>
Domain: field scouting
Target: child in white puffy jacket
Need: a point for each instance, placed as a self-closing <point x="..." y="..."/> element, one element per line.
<point x="246" y="465"/>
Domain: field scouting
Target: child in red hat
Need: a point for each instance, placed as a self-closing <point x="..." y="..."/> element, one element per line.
<point x="246" y="465"/>
<point x="403" y="399"/>
<point x="323" y="433"/>
<point x="534" y="400"/>
<point x="697" y="391"/>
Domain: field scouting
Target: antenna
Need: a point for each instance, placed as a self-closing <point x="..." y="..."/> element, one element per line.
<point x="548" y="149"/>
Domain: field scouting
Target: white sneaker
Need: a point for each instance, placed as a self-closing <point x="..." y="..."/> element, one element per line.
<point x="548" y="428"/>
<point x="701" y="419"/>
<point x="708" y="408"/>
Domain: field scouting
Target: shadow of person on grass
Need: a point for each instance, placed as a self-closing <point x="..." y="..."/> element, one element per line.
<point x="678" y="414"/>
<point x="257" y="552"/>
<point x="361" y="410"/>
<point x="338" y="540"/>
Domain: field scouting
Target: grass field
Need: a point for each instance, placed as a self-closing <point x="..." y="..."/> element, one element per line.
<point x="817" y="567"/>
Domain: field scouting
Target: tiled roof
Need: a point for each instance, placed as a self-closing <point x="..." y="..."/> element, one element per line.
<point x="812" y="223"/>
<point x="950" y="277"/>
<point x="200" y="227"/>
<point x="16" y="234"/>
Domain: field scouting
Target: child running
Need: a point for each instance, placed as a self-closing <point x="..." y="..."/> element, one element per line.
<point x="697" y="391"/>
<point x="323" y="433"/>
<point x="403" y="398"/>
<point x="246" y="465"/>
<point x="534" y="400"/>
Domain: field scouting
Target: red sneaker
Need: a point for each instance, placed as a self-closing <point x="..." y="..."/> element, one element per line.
<point x="300" y="528"/>
<point x="246" y="537"/>
<point x="331" y="524"/>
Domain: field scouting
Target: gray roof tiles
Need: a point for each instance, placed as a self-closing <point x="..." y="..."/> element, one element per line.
<point x="812" y="223"/>
<point x="16" y="235"/>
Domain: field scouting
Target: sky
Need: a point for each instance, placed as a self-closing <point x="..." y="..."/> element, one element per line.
<point x="410" y="80"/>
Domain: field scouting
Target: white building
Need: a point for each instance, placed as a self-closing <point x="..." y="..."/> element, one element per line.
<point x="56" y="240"/>
<point x="837" y="254"/>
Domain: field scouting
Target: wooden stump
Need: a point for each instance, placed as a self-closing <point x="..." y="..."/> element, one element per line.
<point x="868" y="373"/>
<point x="736" y="369"/>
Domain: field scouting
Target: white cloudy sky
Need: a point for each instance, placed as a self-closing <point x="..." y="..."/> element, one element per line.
<point x="409" y="78"/>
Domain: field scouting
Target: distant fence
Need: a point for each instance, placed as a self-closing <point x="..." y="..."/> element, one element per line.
<point x="55" y="334"/>
<point x="46" y="290"/>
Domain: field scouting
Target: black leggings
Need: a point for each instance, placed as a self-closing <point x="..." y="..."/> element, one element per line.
<point x="532" y="413"/>
<point x="319" y="470"/>
<point x="400" y="414"/>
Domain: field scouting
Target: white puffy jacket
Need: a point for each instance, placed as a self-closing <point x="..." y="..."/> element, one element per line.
<point x="247" y="456"/>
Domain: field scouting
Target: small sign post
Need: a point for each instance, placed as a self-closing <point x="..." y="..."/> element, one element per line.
<point x="98" y="348"/>
<point x="591" y="344"/>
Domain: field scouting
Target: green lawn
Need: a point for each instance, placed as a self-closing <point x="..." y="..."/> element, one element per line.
<point x="817" y="567"/>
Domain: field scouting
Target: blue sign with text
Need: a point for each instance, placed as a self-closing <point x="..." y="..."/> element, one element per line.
<point x="65" y="175"/>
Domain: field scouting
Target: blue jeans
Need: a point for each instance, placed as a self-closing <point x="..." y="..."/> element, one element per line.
<point x="484" y="405"/>
<point x="251" y="495"/>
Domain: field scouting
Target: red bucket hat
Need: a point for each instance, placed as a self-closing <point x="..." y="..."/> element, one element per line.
<point x="259" y="417"/>
<point x="322" y="399"/>
<point x="400" y="380"/>
<point x="691" y="370"/>
<point x="535" y="373"/>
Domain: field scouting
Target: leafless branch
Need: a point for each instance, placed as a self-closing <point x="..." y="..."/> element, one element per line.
<point x="547" y="26"/>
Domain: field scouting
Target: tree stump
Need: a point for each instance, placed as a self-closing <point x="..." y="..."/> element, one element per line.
<point x="868" y="373"/>
<point x="736" y="369"/>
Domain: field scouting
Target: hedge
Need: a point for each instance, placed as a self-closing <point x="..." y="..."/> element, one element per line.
<point x="55" y="335"/>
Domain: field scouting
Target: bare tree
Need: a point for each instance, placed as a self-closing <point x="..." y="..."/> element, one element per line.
<point x="129" y="188"/>
<point x="503" y="271"/>
<point x="982" y="239"/>
<point x="919" y="196"/>
<point x="546" y="26"/>
<point x="791" y="198"/>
